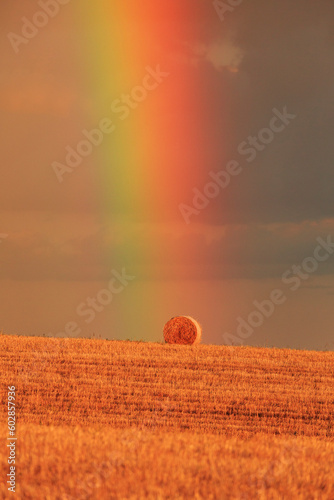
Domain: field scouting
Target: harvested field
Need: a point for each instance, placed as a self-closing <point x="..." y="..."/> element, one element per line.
<point x="150" y="420"/>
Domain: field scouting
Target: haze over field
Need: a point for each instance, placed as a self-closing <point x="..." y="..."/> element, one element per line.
<point x="120" y="207"/>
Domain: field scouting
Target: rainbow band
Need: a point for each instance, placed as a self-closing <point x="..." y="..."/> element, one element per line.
<point x="155" y="156"/>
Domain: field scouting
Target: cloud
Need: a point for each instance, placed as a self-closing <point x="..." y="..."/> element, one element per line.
<point x="154" y="252"/>
<point x="282" y="61"/>
<point x="220" y="53"/>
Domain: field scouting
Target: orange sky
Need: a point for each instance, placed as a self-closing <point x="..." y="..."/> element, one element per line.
<point x="60" y="242"/>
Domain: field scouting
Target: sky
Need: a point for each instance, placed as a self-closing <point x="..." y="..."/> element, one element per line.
<point x="168" y="158"/>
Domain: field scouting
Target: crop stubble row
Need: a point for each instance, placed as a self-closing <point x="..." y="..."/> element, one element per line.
<point x="213" y="389"/>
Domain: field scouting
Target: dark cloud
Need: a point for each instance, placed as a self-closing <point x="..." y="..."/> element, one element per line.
<point x="160" y="253"/>
<point x="288" y="60"/>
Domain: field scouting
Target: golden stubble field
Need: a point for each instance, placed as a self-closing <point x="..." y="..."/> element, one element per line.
<point x="101" y="419"/>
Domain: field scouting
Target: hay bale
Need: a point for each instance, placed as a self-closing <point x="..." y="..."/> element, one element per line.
<point x="182" y="330"/>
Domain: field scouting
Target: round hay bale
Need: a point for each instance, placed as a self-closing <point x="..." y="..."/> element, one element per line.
<point x="182" y="330"/>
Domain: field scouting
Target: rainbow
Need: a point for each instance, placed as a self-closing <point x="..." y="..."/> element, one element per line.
<point x="155" y="156"/>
